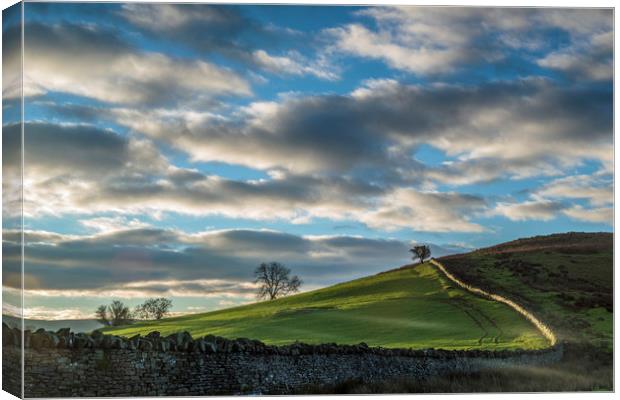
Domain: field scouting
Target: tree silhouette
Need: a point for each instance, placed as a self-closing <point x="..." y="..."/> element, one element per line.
<point x="274" y="281"/>
<point x="421" y="252"/>
<point x="154" y="308"/>
<point x="119" y="313"/>
<point x="116" y="313"/>
<point x="102" y="314"/>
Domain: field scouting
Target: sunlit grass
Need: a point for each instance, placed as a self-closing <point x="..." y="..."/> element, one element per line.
<point x="587" y="275"/>
<point x="414" y="307"/>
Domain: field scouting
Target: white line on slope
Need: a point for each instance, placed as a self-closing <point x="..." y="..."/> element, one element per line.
<point x="544" y="329"/>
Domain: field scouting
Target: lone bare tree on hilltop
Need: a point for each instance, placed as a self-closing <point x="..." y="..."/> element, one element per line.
<point x="274" y="281"/>
<point x="421" y="252"/>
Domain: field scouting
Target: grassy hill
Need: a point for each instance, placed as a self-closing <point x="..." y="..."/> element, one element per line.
<point x="410" y="307"/>
<point x="567" y="281"/>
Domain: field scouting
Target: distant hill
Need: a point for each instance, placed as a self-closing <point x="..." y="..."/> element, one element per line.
<point x="76" y="325"/>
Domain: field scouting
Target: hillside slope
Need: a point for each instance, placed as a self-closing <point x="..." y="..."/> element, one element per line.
<point x="567" y="281"/>
<point x="570" y="242"/>
<point x="411" y="307"/>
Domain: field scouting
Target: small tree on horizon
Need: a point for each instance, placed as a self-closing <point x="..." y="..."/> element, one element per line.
<point x="274" y="281"/>
<point x="102" y="314"/>
<point x="421" y="252"/>
<point x="119" y="313"/>
<point x="154" y="308"/>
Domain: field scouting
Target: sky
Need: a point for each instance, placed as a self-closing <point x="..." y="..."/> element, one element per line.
<point x="170" y="149"/>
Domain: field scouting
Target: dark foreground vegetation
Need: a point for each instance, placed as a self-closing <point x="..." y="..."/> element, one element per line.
<point x="582" y="369"/>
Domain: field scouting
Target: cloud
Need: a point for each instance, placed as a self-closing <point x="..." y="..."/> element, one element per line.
<point x="51" y="314"/>
<point x="136" y="179"/>
<point x="135" y="263"/>
<point x="332" y="156"/>
<point x="559" y="197"/>
<point x="596" y="188"/>
<point x="11" y="65"/>
<point x="426" y="211"/>
<point x="298" y="135"/>
<point x="11" y="175"/>
<point x="195" y="288"/>
<point x="111" y="224"/>
<point x="439" y="40"/>
<point x="202" y="27"/>
<point x="105" y="172"/>
<point x="588" y="59"/>
<point x="290" y="198"/>
<point x="90" y="156"/>
<point x="167" y="17"/>
<point x="41" y="312"/>
<point x="374" y="130"/>
<point x="294" y="64"/>
<point x="81" y="147"/>
<point x="228" y="31"/>
<point x="466" y="171"/>
<point x="543" y="210"/>
<point x="357" y="39"/>
<point x="94" y="62"/>
<point x="412" y="39"/>
<point x="603" y="215"/>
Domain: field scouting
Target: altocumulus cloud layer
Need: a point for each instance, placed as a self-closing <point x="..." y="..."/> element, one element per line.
<point x="171" y="148"/>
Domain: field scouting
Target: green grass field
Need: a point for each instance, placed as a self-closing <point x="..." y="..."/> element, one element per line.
<point x="566" y="280"/>
<point x="411" y="307"/>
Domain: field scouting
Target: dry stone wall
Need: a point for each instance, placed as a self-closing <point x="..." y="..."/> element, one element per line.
<point x="64" y="364"/>
<point x="541" y="326"/>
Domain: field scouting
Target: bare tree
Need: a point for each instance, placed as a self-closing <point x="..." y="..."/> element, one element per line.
<point x="154" y="308"/>
<point x="119" y="313"/>
<point x="421" y="252"/>
<point x="274" y="281"/>
<point x="102" y="314"/>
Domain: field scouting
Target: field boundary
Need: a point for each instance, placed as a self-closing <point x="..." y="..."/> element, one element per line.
<point x="541" y="326"/>
<point x="77" y="371"/>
